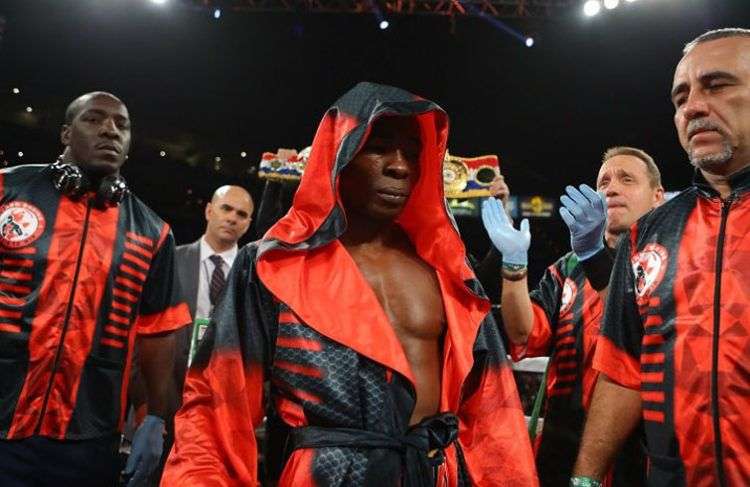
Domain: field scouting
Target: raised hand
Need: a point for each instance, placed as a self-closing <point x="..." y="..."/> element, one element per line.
<point x="512" y="243"/>
<point x="585" y="214"/>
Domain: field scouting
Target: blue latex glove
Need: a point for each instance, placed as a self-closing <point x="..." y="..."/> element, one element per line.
<point x="512" y="243"/>
<point x="148" y="443"/>
<point x="585" y="214"/>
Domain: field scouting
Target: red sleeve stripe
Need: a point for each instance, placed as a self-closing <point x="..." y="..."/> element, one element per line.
<point x="298" y="369"/>
<point x="299" y="343"/>
<point x="566" y="340"/>
<point x="122" y="307"/>
<point x="25" y="250"/>
<point x="140" y="238"/>
<point x="653" y="320"/>
<point x="562" y="391"/>
<point x="163" y="235"/>
<point x="11" y="301"/>
<point x="566" y="353"/>
<point x="655" y="416"/>
<point x="129" y="284"/>
<point x="119" y="319"/>
<point x="568" y="377"/>
<point x="135" y="260"/>
<point x="567" y="364"/>
<point x="652" y="396"/>
<point x="564" y="329"/>
<point x="652" y="377"/>
<point x="10" y="328"/>
<point x="138" y="250"/>
<point x="18" y="276"/>
<point x="112" y="343"/>
<point x="299" y="393"/>
<point x="130" y="270"/>
<point x="14" y="289"/>
<point x="652" y="358"/>
<point x="115" y="331"/>
<point x="8" y="262"/>
<point x="653" y="339"/>
<point x="7" y="313"/>
<point x="124" y="295"/>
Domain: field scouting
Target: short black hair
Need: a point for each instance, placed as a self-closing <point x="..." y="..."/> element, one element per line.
<point x="76" y="105"/>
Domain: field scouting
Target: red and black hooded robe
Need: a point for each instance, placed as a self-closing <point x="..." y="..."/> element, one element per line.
<point x="298" y="313"/>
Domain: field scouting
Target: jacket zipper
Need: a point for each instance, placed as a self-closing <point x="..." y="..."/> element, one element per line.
<point x="718" y="447"/>
<point x="68" y="311"/>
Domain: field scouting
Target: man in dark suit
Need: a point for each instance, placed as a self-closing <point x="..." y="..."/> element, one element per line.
<point x="201" y="271"/>
<point x="228" y="216"/>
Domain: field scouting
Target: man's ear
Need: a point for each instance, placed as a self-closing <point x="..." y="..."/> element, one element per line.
<point x="659" y="197"/>
<point x="208" y="210"/>
<point x="65" y="135"/>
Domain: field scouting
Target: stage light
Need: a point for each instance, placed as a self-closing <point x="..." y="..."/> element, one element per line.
<point x="29" y="109"/>
<point x="217" y="159"/>
<point x="243" y="154"/>
<point x="159" y="2"/>
<point x="16" y="91"/>
<point x="591" y="8"/>
<point x="529" y="41"/>
<point x="610" y="4"/>
<point x="630" y="1"/>
<point x="162" y="154"/>
<point x="217" y="13"/>
<point x="20" y="154"/>
<point x="384" y="24"/>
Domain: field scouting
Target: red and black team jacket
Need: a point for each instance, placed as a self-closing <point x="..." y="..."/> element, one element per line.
<point x="298" y="313"/>
<point x="677" y="328"/>
<point x="77" y="284"/>
<point x="567" y="313"/>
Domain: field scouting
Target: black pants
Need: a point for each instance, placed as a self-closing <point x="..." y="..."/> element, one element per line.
<point x="42" y="462"/>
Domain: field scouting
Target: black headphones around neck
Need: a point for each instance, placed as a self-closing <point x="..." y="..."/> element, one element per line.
<point x="70" y="180"/>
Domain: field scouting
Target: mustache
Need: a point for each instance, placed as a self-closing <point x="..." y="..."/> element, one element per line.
<point x="703" y="124"/>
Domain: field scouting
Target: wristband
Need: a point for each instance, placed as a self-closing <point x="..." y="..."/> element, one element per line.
<point x="597" y="268"/>
<point x="513" y="268"/>
<point x="579" y="481"/>
<point x="517" y="275"/>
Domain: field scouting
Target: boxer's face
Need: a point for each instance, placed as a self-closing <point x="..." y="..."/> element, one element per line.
<point x="378" y="181"/>
<point x="98" y="138"/>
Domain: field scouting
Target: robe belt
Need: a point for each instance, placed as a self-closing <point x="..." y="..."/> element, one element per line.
<point x="421" y="448"/>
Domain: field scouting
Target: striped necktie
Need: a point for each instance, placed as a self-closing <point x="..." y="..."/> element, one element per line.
<point x="217" y="279"/>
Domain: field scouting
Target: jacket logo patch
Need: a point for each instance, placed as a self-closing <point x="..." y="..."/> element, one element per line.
<point x="569" y="292"/>
<point x="649" y="266"/>
<point x="21" y="224"/>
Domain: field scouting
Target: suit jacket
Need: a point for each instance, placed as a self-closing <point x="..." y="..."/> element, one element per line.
<point x="187" y="262"/>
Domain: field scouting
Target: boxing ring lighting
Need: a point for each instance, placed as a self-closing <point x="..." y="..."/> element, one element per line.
<point x="591" y="8"/>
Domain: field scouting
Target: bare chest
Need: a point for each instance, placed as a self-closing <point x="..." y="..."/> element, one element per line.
<point x="409" y="292"/>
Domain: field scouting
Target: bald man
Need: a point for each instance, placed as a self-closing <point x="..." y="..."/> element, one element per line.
<point x="228" y="216"/>
<point x="202" y="267"/>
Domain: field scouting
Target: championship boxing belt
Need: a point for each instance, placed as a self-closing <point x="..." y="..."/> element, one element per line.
<point x="463" y="177"/>
<point x="284" y="165"/>
<point x="469" y="177"/>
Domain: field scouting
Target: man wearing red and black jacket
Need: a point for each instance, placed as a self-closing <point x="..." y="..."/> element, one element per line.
<point x="85" y="270"/>
<point x="675" y="338"/>
<point x="560" y="318"/>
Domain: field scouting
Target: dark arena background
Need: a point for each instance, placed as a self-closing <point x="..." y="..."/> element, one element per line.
<point x="211" y="85"/>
